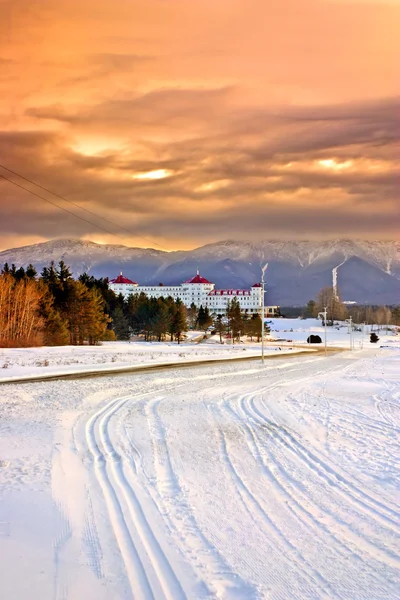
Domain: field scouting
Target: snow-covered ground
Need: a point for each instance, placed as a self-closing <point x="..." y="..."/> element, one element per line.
<point x="25" y="362"/>
<point x="298" y="330"/>
<point x="223" y="481"/>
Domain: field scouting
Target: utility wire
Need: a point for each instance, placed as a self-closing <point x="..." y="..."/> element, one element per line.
<point x="62" y="208"/>
<point x="74" y="204"/>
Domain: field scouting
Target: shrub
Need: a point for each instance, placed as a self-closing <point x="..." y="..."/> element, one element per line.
<point x="314" y="339"/>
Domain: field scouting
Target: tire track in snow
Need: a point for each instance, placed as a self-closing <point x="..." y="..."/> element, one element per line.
<point x="91" y="540"/>
<point x="135" y="570"/>
<point x="131" y="528"/>
<point x="333" y="479"/>
<point x="320" y="465"/>
<point x="165" y="575"/>
<point x="295" y="500"/>
<point x="65" y="533"/>
<point x="218" y="574"/>
<point x="253" y="505"/>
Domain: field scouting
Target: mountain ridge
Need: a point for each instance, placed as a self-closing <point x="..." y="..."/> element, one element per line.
<point x="296" y="269"/>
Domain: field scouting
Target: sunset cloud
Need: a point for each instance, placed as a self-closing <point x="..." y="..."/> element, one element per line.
<point x="190" y="122"/>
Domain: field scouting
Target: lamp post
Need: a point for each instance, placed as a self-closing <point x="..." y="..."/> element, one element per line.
<point x="349" y="321"/>
<point x="263" y="269"/>
<point x="323" y="314"/>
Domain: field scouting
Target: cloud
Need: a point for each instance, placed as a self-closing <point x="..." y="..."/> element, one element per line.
<point x="248" y="117"/>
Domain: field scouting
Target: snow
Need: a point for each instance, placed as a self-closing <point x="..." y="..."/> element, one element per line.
<point x="298" y="330"/>
<point x="221" y="481"/>
<point x="287" y="335"/>
<point x="19" y="363"/>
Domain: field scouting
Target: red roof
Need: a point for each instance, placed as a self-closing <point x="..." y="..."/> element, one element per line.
<point x="122" y="279"/>
<point x="198" y="279"/>
<point x="230" y="293"/>
<point x="256" y="285"/>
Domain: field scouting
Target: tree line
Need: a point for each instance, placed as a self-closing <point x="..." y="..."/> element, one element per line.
<point x="55" y="309"/>
<point x="338" y="311"/>
<point x="52" y="309"/>
<point x="164" y="318"/>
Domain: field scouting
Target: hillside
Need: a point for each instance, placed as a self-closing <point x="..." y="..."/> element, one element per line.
<point x="368" y="271"/>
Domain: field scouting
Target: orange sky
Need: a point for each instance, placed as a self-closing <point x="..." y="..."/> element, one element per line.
<point x="192" y="121"/>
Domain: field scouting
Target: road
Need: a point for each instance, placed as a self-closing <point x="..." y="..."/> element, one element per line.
<point x="226" y="481"/>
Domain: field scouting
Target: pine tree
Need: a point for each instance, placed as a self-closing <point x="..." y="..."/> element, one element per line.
<point x="56" y="332"/>
<point x="179" y="323"/>
<point x="192" y="315"/>
<point x="20" y="274"/>
<point x="120" y="324"/>
<point x="311" y="310"/>
<point x="31" y="272"/>
<point x="204" y="319"/>
<point x="6" y="269"/>
<point x="220" y="327"/>
<point x="234" y="318"/>
<point x="172" y="308"/>
<point x="255" y="324"/>
<point x="160" y="319"/>
<point x="143" y="316"/>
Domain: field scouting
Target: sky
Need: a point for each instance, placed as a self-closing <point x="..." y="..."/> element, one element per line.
<point x="192" y="121"/>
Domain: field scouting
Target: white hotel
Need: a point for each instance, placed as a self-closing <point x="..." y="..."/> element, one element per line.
<point x="198" y="291"/>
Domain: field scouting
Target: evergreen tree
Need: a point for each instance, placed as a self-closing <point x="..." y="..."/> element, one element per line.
<point x="220" y="327"/>
<point x="120" y="324"/>
<point x="20" y="274"/>
<point x="172" y="308"/>
<point x="87" y="321"/>
<point x="160" y="319"/>
<point x="192" y="315"/>
<point x="311" y="310"/>
<point x="6" y="269"/>
<point x="56" y="332"/>
<point x="254" y="326"/>
<point x="204" y="319"/>
<point x="234" y="318"/>
<point x="31" y="272"/>
<point x="179" y="323"/>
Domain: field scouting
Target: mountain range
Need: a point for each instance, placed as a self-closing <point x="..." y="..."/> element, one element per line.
<point x="367" y="271"/>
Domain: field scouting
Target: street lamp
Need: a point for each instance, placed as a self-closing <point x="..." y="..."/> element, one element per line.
<point x="323" y="314"/>
<point x="263" y="269"/>
<point x="349" y="321"/>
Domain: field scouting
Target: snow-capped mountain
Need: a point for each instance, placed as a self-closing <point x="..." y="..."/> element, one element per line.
<point x="367" y="271"/>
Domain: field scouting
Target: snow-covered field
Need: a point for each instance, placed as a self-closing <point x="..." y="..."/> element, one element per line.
<point x="224" y="481"/>
<point x="26" y="362"/>
<point x="298" y="330"/>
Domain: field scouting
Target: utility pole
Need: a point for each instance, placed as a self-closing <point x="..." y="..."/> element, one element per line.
<point x="323" y="315"/>
<point x="263" y="269"/>
<point x="349" y="321"/>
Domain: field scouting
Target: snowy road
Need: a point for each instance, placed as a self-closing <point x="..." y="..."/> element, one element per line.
<point x="225" y="481"/>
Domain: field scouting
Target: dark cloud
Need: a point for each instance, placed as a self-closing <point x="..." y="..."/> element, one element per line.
<point x="230" y="114"/>
<point x="217" y="181"/>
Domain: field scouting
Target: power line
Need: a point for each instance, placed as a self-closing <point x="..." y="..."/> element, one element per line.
<point x="74" y="204"/>
<point x="61" y="207"/>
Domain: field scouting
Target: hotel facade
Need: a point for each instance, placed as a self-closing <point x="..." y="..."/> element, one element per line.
<point x="200" y="292"/>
